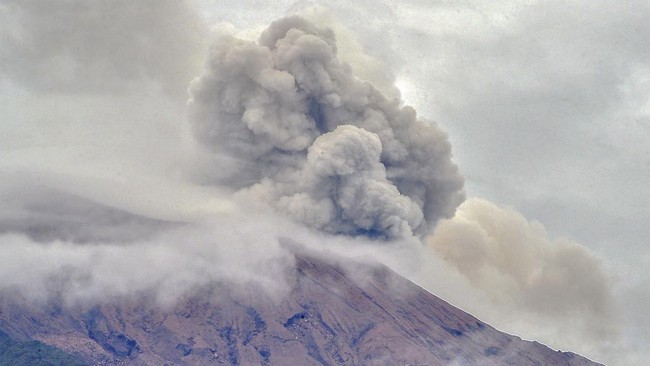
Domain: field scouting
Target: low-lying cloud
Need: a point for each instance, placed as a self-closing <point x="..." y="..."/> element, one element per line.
<point x="174" y="262"/>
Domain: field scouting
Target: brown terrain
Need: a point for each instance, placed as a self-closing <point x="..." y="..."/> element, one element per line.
<point x="328" y="317"/>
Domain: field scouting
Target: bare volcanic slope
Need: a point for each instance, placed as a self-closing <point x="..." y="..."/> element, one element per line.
<point x="329" y="317"/>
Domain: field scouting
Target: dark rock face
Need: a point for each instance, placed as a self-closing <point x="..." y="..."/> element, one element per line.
<point x="328" y="318"/>
<point x="101" y="331"/>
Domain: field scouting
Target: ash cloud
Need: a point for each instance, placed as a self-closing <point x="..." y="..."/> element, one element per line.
<point x="517" y="265"/>
<point x="312" y="140"/>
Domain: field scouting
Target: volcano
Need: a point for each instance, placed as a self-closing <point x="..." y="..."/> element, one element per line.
<point x="336" y="312"/>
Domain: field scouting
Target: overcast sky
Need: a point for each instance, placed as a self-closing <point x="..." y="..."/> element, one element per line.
<point x="546" y="104"/>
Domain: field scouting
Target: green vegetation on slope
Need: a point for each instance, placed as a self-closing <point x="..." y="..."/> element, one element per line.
<point x="33" y="353"/>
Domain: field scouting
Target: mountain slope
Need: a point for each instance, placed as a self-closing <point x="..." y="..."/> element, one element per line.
<point x="328" y="317"/>
<point x="32" y="353"/>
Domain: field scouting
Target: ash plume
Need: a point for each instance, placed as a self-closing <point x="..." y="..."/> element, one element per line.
<point x="315" y="142"/>
<point x="515" y="262"/>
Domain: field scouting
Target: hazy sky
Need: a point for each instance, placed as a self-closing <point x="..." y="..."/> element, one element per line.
<point x="546" y="104"/>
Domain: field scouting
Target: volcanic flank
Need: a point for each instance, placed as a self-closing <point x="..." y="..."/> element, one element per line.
<point x="332" y="316"/>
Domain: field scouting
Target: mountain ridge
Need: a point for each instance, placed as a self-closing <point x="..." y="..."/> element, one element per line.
<point x="337" y="312"/>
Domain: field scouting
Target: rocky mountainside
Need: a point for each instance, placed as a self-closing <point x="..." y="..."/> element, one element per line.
<point x="328" y="317"/>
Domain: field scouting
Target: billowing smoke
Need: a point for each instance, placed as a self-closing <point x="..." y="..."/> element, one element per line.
<point x="309" y="138"/>
<point x="515" y="263"/>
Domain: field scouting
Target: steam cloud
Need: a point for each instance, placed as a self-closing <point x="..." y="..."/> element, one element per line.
<point x="315" y="142"/>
